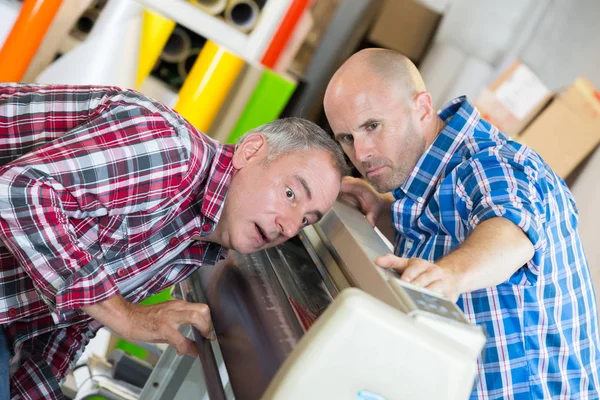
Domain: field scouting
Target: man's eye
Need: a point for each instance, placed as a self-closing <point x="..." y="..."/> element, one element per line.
<point x="305" y="221"/>
<point x="345" y="139"/>
<point x="373" y="126"/>
<point x="289" y="193"/>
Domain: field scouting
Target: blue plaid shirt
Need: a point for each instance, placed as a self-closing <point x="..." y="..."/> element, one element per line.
<point x="542" y="323"/>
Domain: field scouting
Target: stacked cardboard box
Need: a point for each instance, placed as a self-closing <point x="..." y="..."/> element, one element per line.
<point x="514" y="99"/>
<point x="562" y="127"/>
<point x="568" y="129"/>
<point x="406" y="26"/>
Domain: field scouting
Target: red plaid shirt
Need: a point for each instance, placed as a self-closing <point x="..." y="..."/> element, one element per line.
<point x="101" y="191"/>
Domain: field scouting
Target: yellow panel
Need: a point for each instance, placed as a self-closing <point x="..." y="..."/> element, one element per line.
<point x="155" y="33"/>
<point x="207" y="85"/>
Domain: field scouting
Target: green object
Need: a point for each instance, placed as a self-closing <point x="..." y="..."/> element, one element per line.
<point x="266" y="103"/>
<point x="161" y="297"/>
<point x="132" y="349"/>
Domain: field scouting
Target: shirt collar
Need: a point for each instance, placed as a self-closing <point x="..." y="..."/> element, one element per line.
<point x="460" y="118"/>
<point x="217" y="183"/>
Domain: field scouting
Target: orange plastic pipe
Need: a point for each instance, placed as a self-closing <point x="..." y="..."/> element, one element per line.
<point x="25" y="37"/>
<point x="285" y="30"/>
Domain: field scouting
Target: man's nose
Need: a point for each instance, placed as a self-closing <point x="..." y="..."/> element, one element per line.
<point x="363" y="149"/>
<point x="290" y="223"/>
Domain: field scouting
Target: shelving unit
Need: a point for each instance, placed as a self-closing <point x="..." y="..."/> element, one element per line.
<point x="250" y="46"/>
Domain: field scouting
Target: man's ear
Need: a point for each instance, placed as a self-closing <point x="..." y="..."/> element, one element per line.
<point x="253" y="147"/>
<point x="424" y="106"/>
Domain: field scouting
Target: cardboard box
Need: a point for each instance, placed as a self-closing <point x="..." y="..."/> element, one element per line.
<point x="405" y="26"/>
<point x="513" y="100"/>
<point x="583" y="98"/>
<point x="568" y="129"/>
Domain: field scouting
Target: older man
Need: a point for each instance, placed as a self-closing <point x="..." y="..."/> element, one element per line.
<point x="479" y="218"/>
<point x="107" y="197"/>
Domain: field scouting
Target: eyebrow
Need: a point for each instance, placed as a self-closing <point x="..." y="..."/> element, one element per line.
<point x="304" y="184"/>
<point x="362" y="126"/>
<point x="367" y="123"/>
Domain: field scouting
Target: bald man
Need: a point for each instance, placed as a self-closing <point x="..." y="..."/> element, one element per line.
<point x="479" y="218"/>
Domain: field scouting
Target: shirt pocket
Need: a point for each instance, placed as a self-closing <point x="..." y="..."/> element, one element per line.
<point x="113" y="236"/>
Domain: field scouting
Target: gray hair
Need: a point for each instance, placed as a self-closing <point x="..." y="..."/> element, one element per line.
<point x="292" y="134"/>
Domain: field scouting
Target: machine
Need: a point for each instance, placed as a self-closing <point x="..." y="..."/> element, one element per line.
<point x="315" y="318"/>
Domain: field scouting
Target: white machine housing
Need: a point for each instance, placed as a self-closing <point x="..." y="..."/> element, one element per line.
<point x="388" y="340"/>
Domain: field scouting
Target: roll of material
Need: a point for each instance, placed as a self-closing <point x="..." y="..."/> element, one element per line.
<point x="156" y="31"/>
<point x="178" y="46"/>
<point x="295" y="42"/>
<point x="439" y="70"/>
<point x="266" y="104"/>
<point x="109" y="56"/>
<point x="207" y="85"/>
<point x="474" y="75"/>
<point x="25" y="37"/>
<point x="284" y="32"/>
<point x="9" y="12"/>
<point x="235" y="103"/>
<point x="242" y="14"/>
<point x="85" y="23"/>
<point x="212" y="7"/>
<point x="187" y="63"/>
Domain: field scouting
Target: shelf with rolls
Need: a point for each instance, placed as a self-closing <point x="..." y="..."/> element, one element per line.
<point x="231" y="30"/>
<point x="127" y="38"/>
<point x="227" y="91"/>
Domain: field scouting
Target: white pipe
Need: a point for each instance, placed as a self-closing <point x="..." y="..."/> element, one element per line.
<point x="212" y="7"/>
<point x="260" y="37"/>
<point x="242" y="14"/>
<point x="200" y="22"/>
<point x="108" y="56"/>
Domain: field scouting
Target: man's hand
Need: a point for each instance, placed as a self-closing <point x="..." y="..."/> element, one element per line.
<point x="491" y="254"/>
<point x="425" y="274"/>
<point x="158" y="323"/>
<point x="360" y="194"/>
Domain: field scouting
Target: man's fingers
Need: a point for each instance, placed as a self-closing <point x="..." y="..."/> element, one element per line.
<point x="350" y="185"/>
<point x="198" y="315"/>
<point x="350" y="199"/>
<point x="189" y="348"/>
<point x="427" y="275"/>
<point x="182" y="344"/>
<point x="443" y="288"/>
<point x="372" y="218"/>
<point x="392" y="261"/>
<point x="413" y="270"/>
<point x="194" y="314"/>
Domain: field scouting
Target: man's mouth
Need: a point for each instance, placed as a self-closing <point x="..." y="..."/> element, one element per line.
<point x="262" y="234"/>
<point x="374" y="170"/>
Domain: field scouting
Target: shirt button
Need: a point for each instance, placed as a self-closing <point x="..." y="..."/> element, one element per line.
<point x="174" y="241"/>
<point x="12" y="312"/>
<point x="206" y="227"/>
<point x="121" y="272"/>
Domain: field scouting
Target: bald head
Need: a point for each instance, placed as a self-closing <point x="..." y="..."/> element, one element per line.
<point x="393" y="69"/>
<point x="380" y="113"/>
